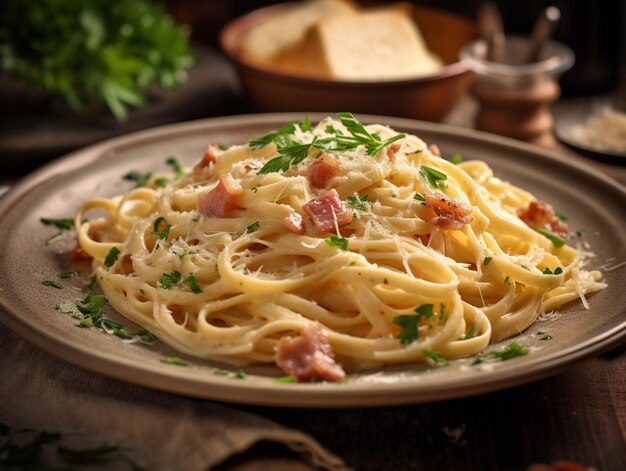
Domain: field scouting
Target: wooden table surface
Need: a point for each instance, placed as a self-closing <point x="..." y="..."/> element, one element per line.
<point x="578" y="415"/>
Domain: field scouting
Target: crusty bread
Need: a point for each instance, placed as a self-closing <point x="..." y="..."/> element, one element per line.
<point x="283" y="31"/>
<point x="377" y="45"/>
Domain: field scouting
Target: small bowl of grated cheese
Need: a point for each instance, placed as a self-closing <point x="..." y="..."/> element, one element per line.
<point x="595" y="127"/>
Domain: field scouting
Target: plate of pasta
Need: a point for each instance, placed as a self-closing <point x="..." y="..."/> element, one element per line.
<point x="323" y="260"/>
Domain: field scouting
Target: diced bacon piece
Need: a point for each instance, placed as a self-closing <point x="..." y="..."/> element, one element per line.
<point x="424" y="238"/>
<point x="294" y="223"/>
<point x="541" y="215"/>
<point x="209" y="158"/>
<point x="448" y="213"/>
<point x="308" y="356"/>
<point x="323" y="169"/>
<point x="79" y="254"/>
<point x="392" y="150"/>
<point x="434" y="149"/>
<point x="222" y="199"/>
<point x="328" y="212"/>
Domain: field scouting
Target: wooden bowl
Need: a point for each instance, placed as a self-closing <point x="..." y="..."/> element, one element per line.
<point x="428" y="98"/>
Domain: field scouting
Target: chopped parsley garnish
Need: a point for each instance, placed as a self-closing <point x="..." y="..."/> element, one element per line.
<point x="437" y="358"/>
<point x="443" y="314"/>
<point x="434" y="177"/>
<point x="252" y="227"/>
<point x="579" y="232"/>
<point x="419" y="197"/>
<point x="487" y="261"/>
<point x="161" y="182"/>
<point x="170" y="280"/>
<point x="52" y="284"/>
<point x="88" y="312"/>
<point x="162" y="233"/>
<point x="358" y="203"/>
<point x="68" y="274"/>
<point x="140" y="179"/>
<point x="193" y="283"/>
<point x="65" y="224"/>
<point x="255" y="188"/>
<point x="175" y="361"/>
<point x="287" y="129"/>
<point x="511" y="351"/>
<point x="546" y="337"/>
<point x="335" y="241"/>
<point x="92" y="282"/>
<point x="557" y="271"/>
<point x="456" y="159"/>
<point x="111" y="257"/>
<point x="54" y="237"/>
<point x="292" y="152"/>
<point x="507" y="280"/>
<point x="556" y="240"/>
<point x="286" y="380"/>
<point x="470" y="333"/>
<point x="220" y="372"/>
<point x="561" y="216"/>
<point x="240" y="374"/>
<point x="176" y="166"/>
<point x="409" y="323"/>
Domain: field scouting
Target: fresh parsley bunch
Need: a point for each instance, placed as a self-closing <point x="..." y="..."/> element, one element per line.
<point x="93" y="52"/>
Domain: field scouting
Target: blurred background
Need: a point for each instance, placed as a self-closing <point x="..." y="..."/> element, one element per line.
<point x="36" y="126"/>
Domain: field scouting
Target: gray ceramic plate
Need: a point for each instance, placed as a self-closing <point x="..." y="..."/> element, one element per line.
<point x="592" y="201"/>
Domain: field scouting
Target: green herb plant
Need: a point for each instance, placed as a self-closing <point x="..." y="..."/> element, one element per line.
<point x="93" y="53"/>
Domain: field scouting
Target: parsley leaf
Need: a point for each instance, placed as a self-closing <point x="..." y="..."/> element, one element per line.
<point x="409" y="323"/>
<point x="556" y="240"/>
<point x="561" y="216"/>
<point x="52" y="284"/>
<point x="111" y="257"/>
<point x="287" y="129"/>
<point x="54" y="237"/>
<point x="193" y="283"/>
<point x="470" y="333"/>
<point x="170" y="280"/>
<point x="140" y="179"/>
<point x="335" y="241"/>
<point x="163" y="233"/>
<point x="68" y="274"/>
<point x="290" y="153"/>
<point x="513" y="350"/>
<point x="436" y="357"/>
<point x="456" y="159"/>
<point x="286" y="379"/>
<point x="64" y="223"/>
<point x="356" y="202"/>
<point x="176" y="166"/>
<point x="252" y="227"/>
<point x="557" y="271"/>
<point x="419" y="197"/>
<point x="434" y="177"/>
<point x="92" y="282"/>
<point x="161" y="182"/>
<point x="487" y="261"/>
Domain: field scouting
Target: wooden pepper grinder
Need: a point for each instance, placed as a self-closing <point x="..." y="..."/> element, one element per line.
<point x="517" y="78"/>
<point x="521" y="112"/>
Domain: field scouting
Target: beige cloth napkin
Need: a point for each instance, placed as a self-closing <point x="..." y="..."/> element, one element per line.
<point x="156" y="430"/>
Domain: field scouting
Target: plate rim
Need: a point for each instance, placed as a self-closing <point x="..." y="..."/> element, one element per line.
<point x="314" y="396"/>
